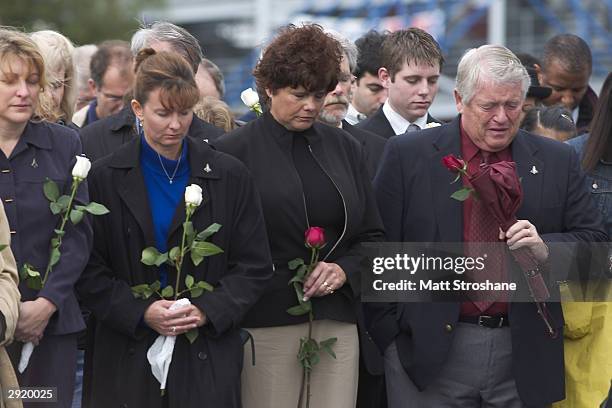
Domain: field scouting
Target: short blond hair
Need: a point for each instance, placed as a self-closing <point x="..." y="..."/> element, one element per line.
<point x="16" y="44"/>
<point x="57" y="52"/>
<point x="215" y="112"/>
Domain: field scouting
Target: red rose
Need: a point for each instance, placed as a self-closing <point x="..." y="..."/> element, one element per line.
<point x="315" y="237"/>
<point x="453" y="163"/>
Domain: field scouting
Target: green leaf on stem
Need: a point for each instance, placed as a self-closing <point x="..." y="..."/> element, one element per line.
<point x="55" y="256"/>
<point x="196" y="292"/>
<point x="55" y="208"/>
<point x="63" y="202"/>
<point x="59" y="233"/>
<point x="156" y="286"/>
<point x="167" y="292"/>
<point x="175" y="253"/>
<point x="51" y="190"/>
<point x="31" y="276"/>
<point x="212" y="228"/>
<point x="196" y="258"/>
<point x="205" y="248"/>
<point x="76" y="216"/>
<point x="299" y="292"/>
<point x="206" y="286"/>
<point x="462" y="194"/>
<point x="326" y="345"/>
<point x="298" y="310"/>
<point x="192" y="335"/>
<point x="139" y="290"/>
<point x="189" y="281"/>
<point x="202" y="249"/>
<point x="295" y="263"/>
<point x="93" y="208"/>
<point x="151" y="256"/>
<point x="2" y="247"/>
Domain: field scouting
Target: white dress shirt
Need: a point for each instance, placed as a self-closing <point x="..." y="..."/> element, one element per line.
<point x="398" y="122"/>
<point x="353" y="116"/>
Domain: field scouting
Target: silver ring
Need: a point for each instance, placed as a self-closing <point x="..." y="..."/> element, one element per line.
<point x="173" y="329"/>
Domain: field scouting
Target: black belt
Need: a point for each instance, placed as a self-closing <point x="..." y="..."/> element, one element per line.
<point x="492" y="322"/>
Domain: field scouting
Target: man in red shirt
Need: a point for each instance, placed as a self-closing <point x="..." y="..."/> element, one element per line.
<point x="471" y="353"/>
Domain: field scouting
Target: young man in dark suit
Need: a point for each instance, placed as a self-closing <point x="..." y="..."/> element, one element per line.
<point x="473" y="354"/>
<point x="412" y="61"/>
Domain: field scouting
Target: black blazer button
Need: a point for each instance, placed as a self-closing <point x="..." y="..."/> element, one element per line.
<point x="124" y="405"/>
<point x="202" y="355"/>
<point x="131" y="351"/>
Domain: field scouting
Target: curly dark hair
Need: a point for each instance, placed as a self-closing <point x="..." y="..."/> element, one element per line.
<point x="299" y="56"/>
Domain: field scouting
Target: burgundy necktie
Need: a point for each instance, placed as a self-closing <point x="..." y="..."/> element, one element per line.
<point x="484" y="239"/>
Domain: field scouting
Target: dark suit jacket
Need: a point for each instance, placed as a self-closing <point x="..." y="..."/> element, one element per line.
<point x="586" y="111"/>
<point x="105" y="136"/>
<point x="379" y="124"/>
<point x="413" y="192"/>
<point x="373" y="145"/>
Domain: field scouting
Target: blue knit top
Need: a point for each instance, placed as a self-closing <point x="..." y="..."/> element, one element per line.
<point x="163" y="195"/>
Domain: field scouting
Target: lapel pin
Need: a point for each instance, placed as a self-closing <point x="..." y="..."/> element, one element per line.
<point x="207" y="168"/>
<point x="34" y="163"/>
<point x="533" y="170"/>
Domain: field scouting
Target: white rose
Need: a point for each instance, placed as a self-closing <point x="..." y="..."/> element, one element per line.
<point x="81" y="167"/>
<point x="249" y="97"/>
<point x="193" y="195"/>
<point x="432" y="125"/>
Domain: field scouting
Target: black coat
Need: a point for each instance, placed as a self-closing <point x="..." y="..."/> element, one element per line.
<point x="207" y="372"/>
<point x="373" y="144"/>
<point x="379" y="124"/>
<point x="265" y="147"/>
<point x="413" y="191"/>
<point x="586" y="110"/>
<point x="105" y="136"/>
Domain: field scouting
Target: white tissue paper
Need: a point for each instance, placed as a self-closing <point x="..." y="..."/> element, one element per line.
<point x="26" y="353"/>
<point x="160" y="352"/>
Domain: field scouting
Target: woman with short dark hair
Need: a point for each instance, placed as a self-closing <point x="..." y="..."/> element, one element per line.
<point x="143" y="184"/>
<point x="308" y="174"/>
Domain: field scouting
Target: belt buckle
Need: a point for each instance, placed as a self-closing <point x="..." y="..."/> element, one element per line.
<point x="481" y="320"/>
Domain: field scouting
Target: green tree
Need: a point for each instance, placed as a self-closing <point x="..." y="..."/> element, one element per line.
<point x="82" y="21"/>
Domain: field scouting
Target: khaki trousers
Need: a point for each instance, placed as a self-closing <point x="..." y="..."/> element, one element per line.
<point x="275" y="380"/>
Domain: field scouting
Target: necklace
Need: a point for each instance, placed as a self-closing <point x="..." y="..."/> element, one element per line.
<point x="178" y="164"/>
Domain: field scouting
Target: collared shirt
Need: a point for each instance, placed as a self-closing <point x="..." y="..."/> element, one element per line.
<point x="92" y="115"/>
<point x="471" y="154"/>
<point x="353" y="116"/>
<point x="576" y="113"/>
<point x="398" y="122"/>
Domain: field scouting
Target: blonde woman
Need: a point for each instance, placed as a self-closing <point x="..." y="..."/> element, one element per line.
<point x="58" y="100"/>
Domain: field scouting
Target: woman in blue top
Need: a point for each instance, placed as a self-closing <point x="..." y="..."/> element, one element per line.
<point x="143" y="185"/>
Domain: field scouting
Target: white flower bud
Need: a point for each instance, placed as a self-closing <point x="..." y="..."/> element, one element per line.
<point x="81" y="167"/>
<point x="193" y="195"/>
<point x="249" y="97"/>
<point x="432" y="125"/>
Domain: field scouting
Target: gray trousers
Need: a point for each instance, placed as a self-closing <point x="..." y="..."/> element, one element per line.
<point x="477" y="374"/>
